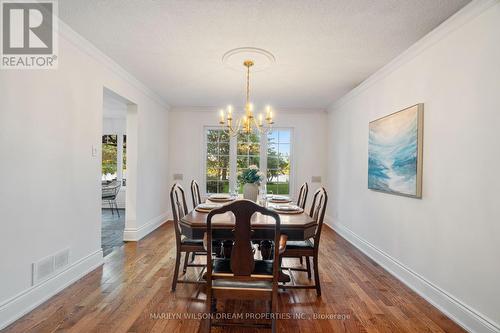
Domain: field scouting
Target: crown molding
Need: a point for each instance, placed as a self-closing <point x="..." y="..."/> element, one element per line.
<point x="84" y="45"/>
<point x="457" y="20"/>
<point x="214" y="109"/>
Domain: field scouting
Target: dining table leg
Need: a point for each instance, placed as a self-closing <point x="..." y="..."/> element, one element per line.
<point x="266" y="247"/>
<point x="227" y="247"/>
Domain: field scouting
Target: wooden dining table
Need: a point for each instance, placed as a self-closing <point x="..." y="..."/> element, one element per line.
<point x="296" y="226"/>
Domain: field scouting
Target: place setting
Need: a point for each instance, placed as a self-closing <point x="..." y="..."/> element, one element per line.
<point x="279" y="199"/>
<point x="221" y="197"/>
<point x="286" y="208"/>
<point x="207" y="207"/>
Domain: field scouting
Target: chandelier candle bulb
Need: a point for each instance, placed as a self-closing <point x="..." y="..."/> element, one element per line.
<point x="248" y="122"/>
<point x="222" y="121"/>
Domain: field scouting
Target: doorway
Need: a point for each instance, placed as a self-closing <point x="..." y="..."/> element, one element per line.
<point x="113" y="171"/>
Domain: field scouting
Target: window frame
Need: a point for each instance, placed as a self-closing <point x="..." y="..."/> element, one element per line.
<point x="233" y="155"/>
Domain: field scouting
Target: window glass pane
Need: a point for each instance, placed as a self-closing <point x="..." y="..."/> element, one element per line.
<point x="242" y="162"/>
<point x="272" y="137"/>
<point x="254" y="160"/>
<point x="212" y="187"/>
<point x="124" y="172"/>
<point x="284" y="149"/>
<point x="223" y="148"/>
<point x="272" y="162"/>
<point x="109" y="156"/>
<point x="284" y="136"/>
<point x="223" y="136"/>
<point x="278" y="161"/>
<point x="217" y="164"/>
<point x="242" y="149"/>
<point x="212" y="135"/>
<point x="224" y="162"/>
<point x="253" y="149"/>
<point x="212" y="148"/>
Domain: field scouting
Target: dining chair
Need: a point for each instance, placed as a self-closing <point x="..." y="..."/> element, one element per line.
<point x="183" y="244"/>
<point x="309" y="248"/>
<point x="242" y="276"/>
<point x="301" y="201"/>
<point x="110" y="193"/>
<point x="195" y="193"/>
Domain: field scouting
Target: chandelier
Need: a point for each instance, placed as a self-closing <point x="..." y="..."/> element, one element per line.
<point x="248" y="123"/>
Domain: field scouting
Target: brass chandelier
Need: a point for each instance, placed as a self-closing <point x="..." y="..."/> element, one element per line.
<point x="247" y="123"/>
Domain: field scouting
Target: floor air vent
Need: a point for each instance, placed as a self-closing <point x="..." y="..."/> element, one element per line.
<point x="48" y="266"/>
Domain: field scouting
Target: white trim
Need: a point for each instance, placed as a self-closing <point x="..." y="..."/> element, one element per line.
<point x="464" y="315"/>
<point x="24" y="302"/>
<point x="136" y="234"/>
<point x="456" y="21"/>
<point x="70" y="35"/>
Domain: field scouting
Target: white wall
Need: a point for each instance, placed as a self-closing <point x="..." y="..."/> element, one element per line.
<point x="50" y="182"/>
<point x="186" y="143"/>
<point x="446" y="245"/>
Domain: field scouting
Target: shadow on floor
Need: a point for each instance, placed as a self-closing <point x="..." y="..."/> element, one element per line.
<point x="112" y="230"/>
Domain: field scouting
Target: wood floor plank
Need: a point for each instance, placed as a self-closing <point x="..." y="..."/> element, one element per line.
<point x="131" y="293"/>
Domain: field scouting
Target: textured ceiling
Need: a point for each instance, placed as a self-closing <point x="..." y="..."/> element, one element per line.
<point x="323" y="48"/>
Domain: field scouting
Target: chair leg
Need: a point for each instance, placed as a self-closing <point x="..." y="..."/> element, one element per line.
<point x="111" y="206"/>
<point x="301" y="260"/>
<point x="193" y="256"/>
<point x="117" y="211"/>
<point x="208" y="320"/>
<point x="176" y="271"/>
<point x="308" y="264"/>
<point x="186" y="259"/>
<point x="316" y="275"/>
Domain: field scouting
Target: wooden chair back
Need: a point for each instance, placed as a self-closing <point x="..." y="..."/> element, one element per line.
<point x="317" y="212"/>
<point x="301" y="201"/>
<point x="195" y="193"/>
<point x="179" y="209"/>
<point x="243" y="263"/>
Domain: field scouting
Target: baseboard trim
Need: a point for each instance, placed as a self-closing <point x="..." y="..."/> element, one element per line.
<point x="24" y="302"/>
<point x="136" y="234"/>
<point x="465" y="316"/>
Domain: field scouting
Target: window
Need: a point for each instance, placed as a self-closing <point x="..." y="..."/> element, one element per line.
<point x="109" y="156"/>
<point x="226" y="156"/>
<point x="111" y="143"/>
<point x="217" y="163"/>
<point x="248" y="153"/>
<point x="278" y="161"/>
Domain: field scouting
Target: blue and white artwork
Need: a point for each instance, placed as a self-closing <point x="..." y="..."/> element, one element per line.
<point x="395" y="153"/>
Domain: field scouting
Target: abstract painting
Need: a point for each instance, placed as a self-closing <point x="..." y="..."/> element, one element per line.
<point x="395" y="152"/>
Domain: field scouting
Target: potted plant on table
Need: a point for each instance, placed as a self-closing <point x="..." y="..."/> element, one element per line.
<point x="251" y="178"/>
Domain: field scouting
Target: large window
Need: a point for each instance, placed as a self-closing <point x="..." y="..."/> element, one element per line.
<point x="278" y="161"/>
<point x="111" y="145"/>
<point x="109" y="156"/>
<point x="217" y="164"/>
<point x="227" y="156"/>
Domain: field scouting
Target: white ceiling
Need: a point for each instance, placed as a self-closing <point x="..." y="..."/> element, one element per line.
<point x="323" y="48"/>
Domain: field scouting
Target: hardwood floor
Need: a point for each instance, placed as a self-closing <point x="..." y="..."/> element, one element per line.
<point x="131" y="293"/>
<point x="112" y="230"/>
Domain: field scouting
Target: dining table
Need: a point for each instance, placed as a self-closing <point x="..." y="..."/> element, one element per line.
<point x="296" y="226"/>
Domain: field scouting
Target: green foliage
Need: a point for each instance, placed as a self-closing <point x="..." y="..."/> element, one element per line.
<point x="252" y="175"/>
